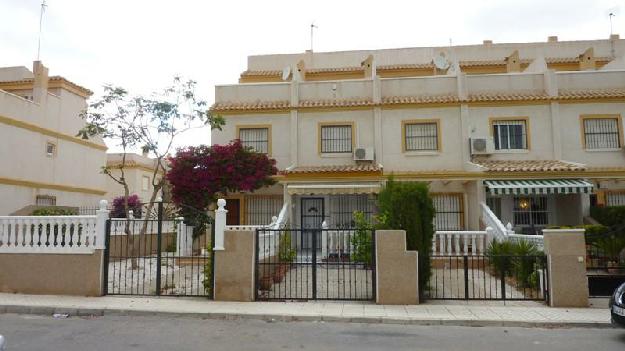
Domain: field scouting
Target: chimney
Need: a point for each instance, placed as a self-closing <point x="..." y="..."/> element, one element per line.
<point x="369" y="66"/>
<point x="513" y="63"/>
<point x="40" y="83"/>
<point x="614" y="37"/>
<point x="301" y="70"/>
<point x="552" y="39"/>
<point x="487" y="42"/>
<point x="587" y="60"/>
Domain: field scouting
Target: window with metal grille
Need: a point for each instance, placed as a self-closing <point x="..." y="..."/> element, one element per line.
<point x="45" y="200"/>
<point x="260" y="209"/>
<point x="510" y="135"/>
<point x="342" y="208"/>
<point x="449" y="212"/>
<point x="421" y="136"/>
<point x="256" y="138"/>
<point x="601" y="133"/>
<point x="530" y="211"/>
<point x="494" y="203"/>
<point x="615" y="199"/>
<point x="336" y="139"/>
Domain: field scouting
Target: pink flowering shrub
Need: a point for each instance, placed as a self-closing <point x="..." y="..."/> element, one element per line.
<point x="198" y="173"/>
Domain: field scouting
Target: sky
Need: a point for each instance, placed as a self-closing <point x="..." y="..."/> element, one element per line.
<point x="142" y="44"/>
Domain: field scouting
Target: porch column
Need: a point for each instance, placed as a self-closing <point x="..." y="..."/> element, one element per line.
<point x="396" y="269"/>
<point x="566" y="252"/>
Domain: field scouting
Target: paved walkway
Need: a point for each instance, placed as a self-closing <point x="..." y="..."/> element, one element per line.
<point x="473" y="314"/>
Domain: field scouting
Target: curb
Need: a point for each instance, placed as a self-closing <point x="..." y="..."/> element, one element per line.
<point x="84" y="312"/>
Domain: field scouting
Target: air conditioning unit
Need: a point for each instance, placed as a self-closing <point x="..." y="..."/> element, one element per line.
<point x="481" y="146"/>
<point x="363" y="154"/>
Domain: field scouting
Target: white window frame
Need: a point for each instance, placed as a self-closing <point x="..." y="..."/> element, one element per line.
<point x="499" y="126"/>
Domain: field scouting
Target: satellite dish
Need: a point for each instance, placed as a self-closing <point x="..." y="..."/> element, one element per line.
<point x="286" y="72"/>
<point x="441" y="62"/>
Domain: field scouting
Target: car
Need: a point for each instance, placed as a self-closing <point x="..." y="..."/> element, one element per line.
<point x="2" y="343"/>
<point x="617" y="306"/>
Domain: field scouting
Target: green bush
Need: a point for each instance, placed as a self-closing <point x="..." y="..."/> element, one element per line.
<point x="286" y="253"/>
<point x="208" y="272"/>
<point x="515" y="259"/>
<point x="362" y="239"/>
<point x="54" y="211"/>
<point x="609" y="215"/>
<point x="408" y="206"/>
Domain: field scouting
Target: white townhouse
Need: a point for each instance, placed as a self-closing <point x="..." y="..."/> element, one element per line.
<point x="525" y="133"/>
<point x="43" y="162"/>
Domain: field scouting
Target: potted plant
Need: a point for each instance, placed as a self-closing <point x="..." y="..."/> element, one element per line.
<point x="286" y="254"/>
<point x="265" y="283"/>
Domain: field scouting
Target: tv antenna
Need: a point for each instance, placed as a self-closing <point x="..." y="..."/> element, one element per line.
<point x="610" y="16"/>
<point x="43" y="9"/>
<point x="312" y="29"/>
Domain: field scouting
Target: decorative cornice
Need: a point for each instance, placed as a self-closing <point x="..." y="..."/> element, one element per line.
<point x="53" y="83"/>
<point x="49" y="132"/>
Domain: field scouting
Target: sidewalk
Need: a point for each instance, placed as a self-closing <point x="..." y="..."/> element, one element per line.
<point x="460" y="314"/>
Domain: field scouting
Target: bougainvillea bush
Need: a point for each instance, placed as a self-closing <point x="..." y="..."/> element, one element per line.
<point x="134" y="205"/>
<point x="198" y="174"/>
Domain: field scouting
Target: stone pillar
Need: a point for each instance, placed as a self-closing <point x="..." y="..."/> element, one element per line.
<point x="396" y="269"/>
<point x="566" y="254"/>
<point x="220" y="224"/>
<point x="234" y="267"/>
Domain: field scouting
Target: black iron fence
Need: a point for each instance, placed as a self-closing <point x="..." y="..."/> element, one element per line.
<point x="158" y="256"/>
<point x="488" y="278"/>
<point x="309" y="264"/>
<point x="605" y="261"/>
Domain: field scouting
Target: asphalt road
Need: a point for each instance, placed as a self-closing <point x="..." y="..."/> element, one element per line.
<point x="110" y="333"/>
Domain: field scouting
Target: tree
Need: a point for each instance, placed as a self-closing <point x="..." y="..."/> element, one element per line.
<point x="197" y="174"/>
<point x="408" y="206"/>
<point x="151" y="124"/>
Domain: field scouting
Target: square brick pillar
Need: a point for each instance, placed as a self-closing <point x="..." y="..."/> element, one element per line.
<point x="396" y="269"/>
<point x="566" y="255"/>
<point x="234" y="267"/>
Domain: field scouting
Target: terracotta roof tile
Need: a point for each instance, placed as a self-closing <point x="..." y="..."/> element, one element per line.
<point x="261" y="73"/>
<point x="591" y="93"/>
<point x="364" y="168"/>
<point x="508" y="96"/>
<point x="253" y="105"/>
<point x="527" y="165"/>
<point x="572" y="59"/>
<point x="420" y="99"/>
<point x="335" y="69"/>
<point x="354" y="102"/>
<point x="406" y="66"/>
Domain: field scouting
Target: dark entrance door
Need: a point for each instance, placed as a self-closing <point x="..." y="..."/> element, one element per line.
<point x="234" y="212"/>
<point x="312" y="214"/>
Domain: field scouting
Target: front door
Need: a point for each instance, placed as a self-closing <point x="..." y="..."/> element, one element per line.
<point x="312" y="217"/>
<point x="234" y="212"/>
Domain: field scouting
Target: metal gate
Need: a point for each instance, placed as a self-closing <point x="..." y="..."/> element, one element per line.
<point x="157" y="255"/>
<point x="605" y="263"/>
<point x="315" y="264"/>
<point x="487" y="278"/>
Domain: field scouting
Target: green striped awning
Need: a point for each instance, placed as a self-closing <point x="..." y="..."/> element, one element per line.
<point x="538" y="186"/>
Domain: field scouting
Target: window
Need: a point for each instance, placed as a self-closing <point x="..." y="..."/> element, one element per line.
<point x="449" y="212"/>
<point x="615" y="199"/>
<point x="531" y="211"/>
<point x="145" y="183"/>
<point x="260" y="209"/>
<point x="342" y="208"/>
<point x="336" y="138"/>
<point x="256" y="138"/>
<point x="421" y="136"/>
<point x="50" y="149"/>
<point x="510" y="134"/>
<point x="494" y="203"/>
<point x="601" y="133"/>
<point x="45" y="200"/>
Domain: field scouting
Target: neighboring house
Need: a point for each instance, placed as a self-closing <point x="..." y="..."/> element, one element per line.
<point x="44" y="163"/>
<point x="138" y="171"/>
<point x="534" y="130"/>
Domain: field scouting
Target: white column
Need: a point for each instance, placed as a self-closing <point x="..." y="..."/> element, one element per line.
<point x="102" y="215"/>
<point x="181" y="236"/>
<point x="220" y="224"/>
